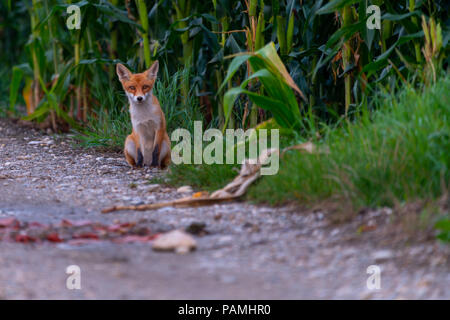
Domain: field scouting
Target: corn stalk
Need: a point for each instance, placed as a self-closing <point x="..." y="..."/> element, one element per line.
<point x="347" y="19"/>
<point x="55" y="63"/>
<point x="36" y="72"/>
<point x="183" y="10"/>
<point x="78" y="94"/>
<point x="412" y="6"/>
<point x="113" y="44"/>
<point x="142" y="9"/>
<point x="255" y="40"/>
<point x="385" y="33"/>
<point x="219" y="71"/>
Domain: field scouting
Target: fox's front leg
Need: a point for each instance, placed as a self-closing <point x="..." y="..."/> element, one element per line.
<point x="147" y="151"/>
<point x="157" y="147"/>
<point x="132" y="151"/>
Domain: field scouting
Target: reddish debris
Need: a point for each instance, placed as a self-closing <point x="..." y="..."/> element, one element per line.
<point x="54" y="237"/>
<point x="24" y="238"/>
<point x="8" y="222"/>
<point x="73" y="232"/>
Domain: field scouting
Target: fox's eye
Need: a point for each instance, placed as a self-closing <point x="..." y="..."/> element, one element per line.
<point x="132" y="88"/>
<point x="145" y="87"/>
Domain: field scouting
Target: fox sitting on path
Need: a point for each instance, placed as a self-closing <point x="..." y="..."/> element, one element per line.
<point x="149" y="143"/>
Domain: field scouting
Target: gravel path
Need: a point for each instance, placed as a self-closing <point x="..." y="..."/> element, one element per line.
<point x="244" y="252"/>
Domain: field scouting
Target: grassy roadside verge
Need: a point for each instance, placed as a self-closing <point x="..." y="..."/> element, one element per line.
<point x="399" y="155"/>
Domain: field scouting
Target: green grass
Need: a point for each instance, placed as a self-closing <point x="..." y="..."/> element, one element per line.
<point x="202" y="177"/>
<point x="215" y="176"/>
<point x="179" y="112"/>
<point x="444" y="229"/>
<point x="107" y="127"/>
<point x="5" y="78"/>
<point x="401" y="154"/>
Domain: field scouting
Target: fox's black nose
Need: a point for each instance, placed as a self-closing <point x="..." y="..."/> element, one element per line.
<point x="139" y="99"/>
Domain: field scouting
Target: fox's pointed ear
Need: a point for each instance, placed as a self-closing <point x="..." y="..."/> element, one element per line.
<point x="123" y="72"/>
<point x="153" y="71"/>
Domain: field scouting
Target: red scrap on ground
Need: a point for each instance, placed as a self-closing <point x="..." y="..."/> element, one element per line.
<point x="73" y="232"/>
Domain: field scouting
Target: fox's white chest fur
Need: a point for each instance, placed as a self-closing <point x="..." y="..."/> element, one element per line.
<point x="145" y="121"/>
<point x="148" y="144"/>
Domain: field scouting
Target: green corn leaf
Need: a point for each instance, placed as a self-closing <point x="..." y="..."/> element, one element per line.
<point x="56" y="9"/>
<point x="234" y="66"/>
<point x="335" y="5"/>
<point x="42" y="109"/>
<point x="269" y="53"/>
<point x="381" y="60"/>
<point x="115" y="13"/>
<point x="282" y="115"/>
<point x="278" y="96"/>
<point x="259" y="41"/>
<point x="228" y="102"/>
<point x="17" y="75"/>
<point x="398" y="17"/>
<point x="290" y="33"/>
<point x="346" y="33"/>
<point x="252" y="8"/>
<point x="281" y="34"/>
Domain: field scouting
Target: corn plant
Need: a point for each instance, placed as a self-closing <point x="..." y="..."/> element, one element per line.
<point x="255" y="39"/>
<point x="142" y="8"/>
<point x="328" y="51"/>
<point x="34" y="47"/>
<point x="432" y="48"/>
<point x="278" y="96"/>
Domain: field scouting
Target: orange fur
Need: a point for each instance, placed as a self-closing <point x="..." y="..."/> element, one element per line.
<point x="149" y="123"/>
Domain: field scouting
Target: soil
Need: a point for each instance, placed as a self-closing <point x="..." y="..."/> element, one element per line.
<point x="243" y="251"/>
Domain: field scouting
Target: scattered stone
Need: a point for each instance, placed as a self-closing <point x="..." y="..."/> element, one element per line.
<point x="382" y="255"/>
<point x="176" y="240"/>
<point x="334" y="232"/>
<point x="225" y="240"/>
<point x="319" y="216"/>
<point x="153" y="187"/>
<point x="137" y="201"/>
<point x="185" y="189"/>
<point x="46" y="141"/>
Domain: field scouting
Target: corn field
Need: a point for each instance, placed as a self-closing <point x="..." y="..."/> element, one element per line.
<point x="243" y="62"/>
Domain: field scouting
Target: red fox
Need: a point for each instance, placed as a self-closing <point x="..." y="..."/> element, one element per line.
<point x="149" y="143"/>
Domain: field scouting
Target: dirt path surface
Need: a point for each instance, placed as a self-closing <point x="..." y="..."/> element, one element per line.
<point x="244" y="251"/>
